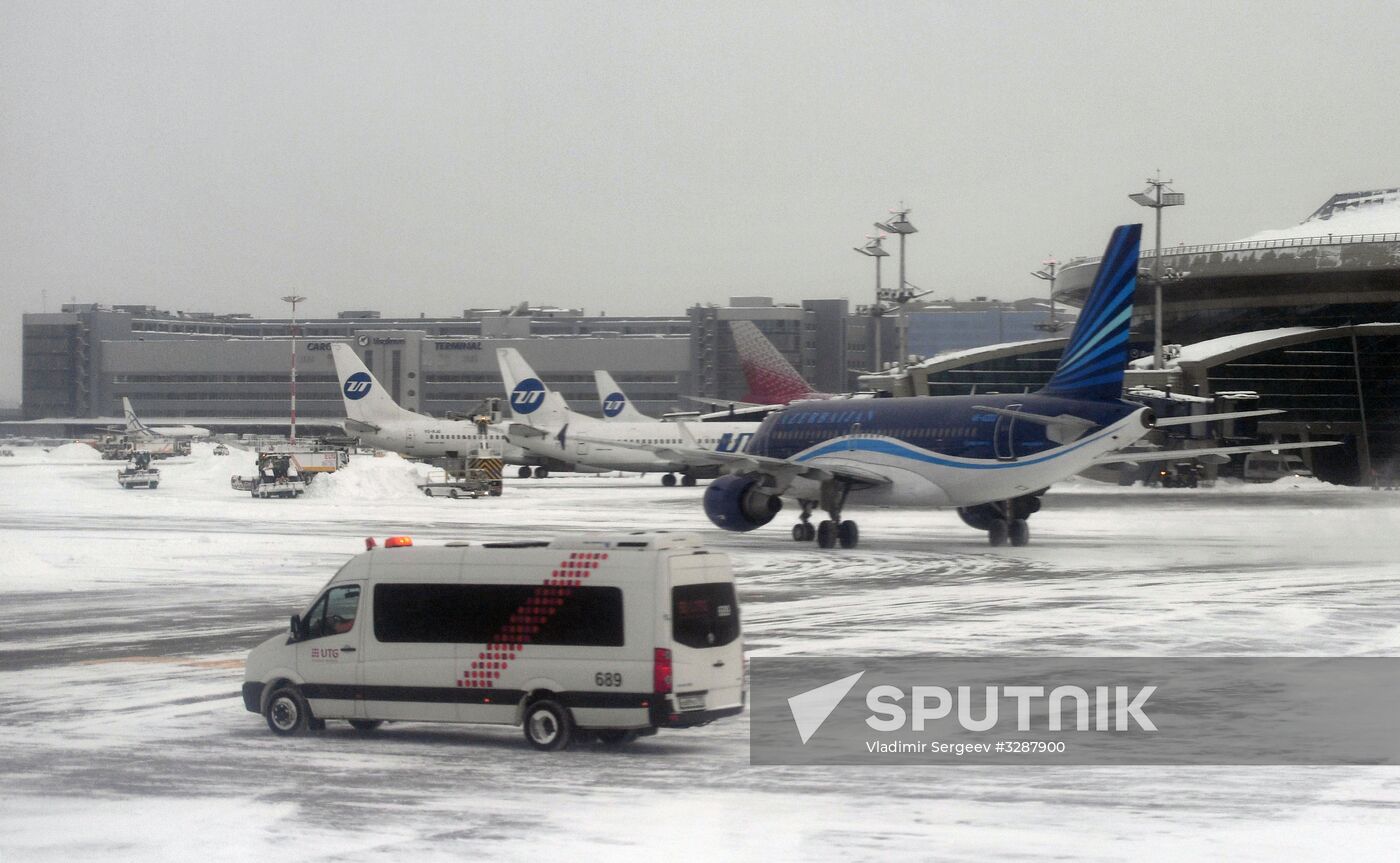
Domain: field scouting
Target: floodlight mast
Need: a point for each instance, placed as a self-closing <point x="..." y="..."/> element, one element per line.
<point x="900" y="225"/>
<point x="294" y="299"/>
<point x="873" y="249"/>
<point x="1048" y="274"/>
<point x="1157" y="201"/>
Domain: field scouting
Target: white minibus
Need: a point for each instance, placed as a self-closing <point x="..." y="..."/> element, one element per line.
<point x="611" y="635"/>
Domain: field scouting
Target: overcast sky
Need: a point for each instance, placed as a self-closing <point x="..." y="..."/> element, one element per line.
<point x="639" y="157"/>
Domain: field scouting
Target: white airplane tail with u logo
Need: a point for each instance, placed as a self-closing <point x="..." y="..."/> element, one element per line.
<point x="366" y="400"/>
<point x="531" y="402"/>
<point x="614" y="402"/>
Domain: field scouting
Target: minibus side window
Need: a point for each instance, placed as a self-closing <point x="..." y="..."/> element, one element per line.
<point x="334" y="613"/>
<point x="315" y="618"/>
<point x="478" y="613"/>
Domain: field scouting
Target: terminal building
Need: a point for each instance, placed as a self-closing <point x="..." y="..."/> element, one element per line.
<point x="1304" y="319"/>
<point x="80" y="362"/>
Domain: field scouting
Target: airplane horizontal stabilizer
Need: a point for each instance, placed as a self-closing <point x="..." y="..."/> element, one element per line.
<point x="1182" y="454"/>
<point x="1167" y="422"/>
<point x="722" y="403"/>
<point x="524" y="431"/>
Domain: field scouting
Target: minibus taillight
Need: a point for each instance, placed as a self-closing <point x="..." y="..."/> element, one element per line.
<point x="661" y="671"/>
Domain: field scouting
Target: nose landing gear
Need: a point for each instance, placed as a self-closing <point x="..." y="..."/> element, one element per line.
<point x="803" y="531"/>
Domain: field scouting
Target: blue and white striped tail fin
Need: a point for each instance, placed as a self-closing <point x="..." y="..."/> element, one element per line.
<point x="1092" y="365"/>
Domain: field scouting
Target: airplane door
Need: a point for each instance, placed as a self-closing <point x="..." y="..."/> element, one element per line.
<point x="408" y="441"/>
<point x="1004" y="436"/>
<point x="582" y="447"/>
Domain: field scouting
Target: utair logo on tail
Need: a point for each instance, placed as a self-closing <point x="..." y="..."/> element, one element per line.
<point x="528" y="396"/>
<point x="357" y="386"/>
<point x="613" y="404"/>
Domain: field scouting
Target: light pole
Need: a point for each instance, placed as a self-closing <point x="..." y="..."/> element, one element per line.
<point x="1047" y="273"/>
<point x="1157" y="202"/>
<point x="902" y="295"/>
<point x="294" y="299"/>
<point x="873" y="249"/>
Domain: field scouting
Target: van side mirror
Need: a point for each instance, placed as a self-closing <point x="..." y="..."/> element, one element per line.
<point x="296" y="626"/>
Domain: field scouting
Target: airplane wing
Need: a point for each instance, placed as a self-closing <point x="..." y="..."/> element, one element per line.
<point x="1182" y="454"/>
<point x="1165" y="422"/>
<point x="723" y="403"/>
<point x="785" y="470"/>
<point x="752" y="412"/>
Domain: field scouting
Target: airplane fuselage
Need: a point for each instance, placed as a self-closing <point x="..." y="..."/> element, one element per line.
<point x="438" y="439"/>
<point x="945" y="451"/>
<point x="586" y="441"/>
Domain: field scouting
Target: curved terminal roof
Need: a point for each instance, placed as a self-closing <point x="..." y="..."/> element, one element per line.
<point x="957" y="359"/>
<point x="1213" y="352"/>
<point x="1351" y="232"/>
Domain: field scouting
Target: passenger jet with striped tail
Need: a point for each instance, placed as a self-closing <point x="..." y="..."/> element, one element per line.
<point x="990" y="456"/>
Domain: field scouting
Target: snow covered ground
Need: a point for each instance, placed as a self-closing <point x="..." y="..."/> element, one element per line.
<point x="125" y="616"/>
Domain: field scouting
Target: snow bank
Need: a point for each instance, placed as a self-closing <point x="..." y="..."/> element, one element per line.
<point x="368" y="478"/>
<point x="79" y="452"/>
<point x="202" y="469"/>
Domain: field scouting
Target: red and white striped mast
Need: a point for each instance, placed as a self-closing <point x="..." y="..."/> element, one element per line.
<point x="294" y="299"/>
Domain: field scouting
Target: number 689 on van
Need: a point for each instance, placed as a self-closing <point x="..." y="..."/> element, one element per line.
<point x="610" y="635"/>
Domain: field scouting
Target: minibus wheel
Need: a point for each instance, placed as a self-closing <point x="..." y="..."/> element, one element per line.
<point x="287" y="712"/>
<point x="548" y="725"/>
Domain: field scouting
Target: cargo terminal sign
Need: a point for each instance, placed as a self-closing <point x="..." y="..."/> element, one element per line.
<point x="1012" y="710"/>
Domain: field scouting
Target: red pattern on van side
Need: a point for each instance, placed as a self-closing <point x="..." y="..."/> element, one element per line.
<point x="525" y="622"/>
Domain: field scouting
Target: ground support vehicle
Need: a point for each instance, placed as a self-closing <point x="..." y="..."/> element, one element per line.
<point x="609" y="636"/>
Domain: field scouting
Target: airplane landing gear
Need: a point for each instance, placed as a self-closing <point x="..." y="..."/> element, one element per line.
<point x="848" y="534"/>
<point x="541" y="472"/>
<point x="833" y="530"/>
<point x="524" y="472"/>
<point x="687" y="479"/>
<point x="668" y="479"/>
<point x="803" y="530"/>
<point x="1019" y="532"/>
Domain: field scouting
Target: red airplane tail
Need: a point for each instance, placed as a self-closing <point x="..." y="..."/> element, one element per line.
<point x="772" y="379"/>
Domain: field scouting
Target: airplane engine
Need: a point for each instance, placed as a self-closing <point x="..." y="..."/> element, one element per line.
<point x="980" y="517"/>
<point x="738" y="503"/>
